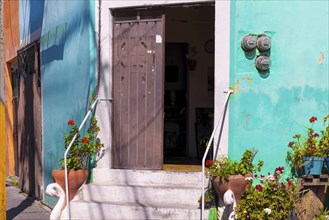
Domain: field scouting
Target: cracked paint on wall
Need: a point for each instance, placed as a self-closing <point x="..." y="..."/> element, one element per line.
<point x="237" y="86"/>
<point x="321" y="57"/>
<point x="246" y="119"/>
<point x="237" y="83"/>
<point x="248" y="79"/>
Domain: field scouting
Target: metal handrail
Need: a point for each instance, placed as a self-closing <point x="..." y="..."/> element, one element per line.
<point x="229" y="92"/>
<point x="68" y="149"/>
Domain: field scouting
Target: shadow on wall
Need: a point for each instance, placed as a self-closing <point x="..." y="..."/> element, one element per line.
<point x="52" y="53"/>
<point x="53" y="44"/>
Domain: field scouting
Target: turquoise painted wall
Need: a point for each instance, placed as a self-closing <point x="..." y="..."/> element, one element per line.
<point x="68" y="73"/>
<point x="267" y="110"/>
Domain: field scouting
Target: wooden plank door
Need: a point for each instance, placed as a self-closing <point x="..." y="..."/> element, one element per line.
<point x="138" y="90"/>
<point x="28" y="112"/>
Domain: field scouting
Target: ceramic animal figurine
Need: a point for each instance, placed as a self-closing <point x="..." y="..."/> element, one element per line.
<point x="229" y="199"/>
<point x="228" y="204"/>
<point x="59" y="211"/>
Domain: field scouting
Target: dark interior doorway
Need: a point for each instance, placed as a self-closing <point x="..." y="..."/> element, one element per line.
<point x="175" y="101"/>
<point x="188" y="82"/>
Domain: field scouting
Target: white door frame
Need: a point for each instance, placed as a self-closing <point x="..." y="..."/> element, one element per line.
<point x="222" y="63"/>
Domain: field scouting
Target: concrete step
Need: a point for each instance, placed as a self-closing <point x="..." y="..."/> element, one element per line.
<point x="139" y="194"/>
<point x="103" y="176"/>
<point x="155" y="195"/>
<point x="92" y="210"/>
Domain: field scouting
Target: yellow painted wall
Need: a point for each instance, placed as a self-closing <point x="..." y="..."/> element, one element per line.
<point x="2" y="163"/>
<point x="11" y="45"/>
<point x="9" y="120"/>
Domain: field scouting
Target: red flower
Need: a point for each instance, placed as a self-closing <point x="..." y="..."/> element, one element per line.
<point x="70" y="122"/>
<point x="259" y="188"/>
<point x="316" y="135"/>
<point x="275" y="186"/>
<point x="313" y="119"/>
<point x="255" y="175"/>
<point x="280" y="169"/>
<point x="290" y="183"/>
<point x="209" y="163"/>
<point x="313" y="149"/>
<point x="291" y="143"/>
<point x="84" y="140"/>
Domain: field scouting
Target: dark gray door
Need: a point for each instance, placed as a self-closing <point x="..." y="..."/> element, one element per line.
<point x="28" y="119"/>
<point x="138" y="89"/>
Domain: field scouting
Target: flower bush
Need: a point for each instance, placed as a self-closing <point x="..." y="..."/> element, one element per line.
<point x="224" y="167"/>
<point x="313" y="144"/>
<point x="83" y="148"/>
<point x="272" y="198"/>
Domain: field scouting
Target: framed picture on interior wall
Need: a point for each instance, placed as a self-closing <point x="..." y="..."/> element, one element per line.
<point x="211" y="78"/>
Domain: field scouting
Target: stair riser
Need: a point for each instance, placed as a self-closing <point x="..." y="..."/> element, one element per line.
<point x="146" y="178"/>
<point x="81" y="211"/>
<point x="142" y="195"/>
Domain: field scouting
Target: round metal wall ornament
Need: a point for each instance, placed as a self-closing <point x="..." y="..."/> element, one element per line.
<point x="249" y="42"/>
<point x="262" y="63"/>
<point x="263" y="43"/>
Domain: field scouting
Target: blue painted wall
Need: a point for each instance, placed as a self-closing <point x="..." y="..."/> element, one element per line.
<point x="267" y="110"/>
<point x="68" y="73"/>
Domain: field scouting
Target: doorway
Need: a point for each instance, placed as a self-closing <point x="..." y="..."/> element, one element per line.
<point x="189" y="82"/>
<point x="163" y="74"/>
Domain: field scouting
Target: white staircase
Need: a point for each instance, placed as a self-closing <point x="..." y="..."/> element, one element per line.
<point x="132" y="194"/>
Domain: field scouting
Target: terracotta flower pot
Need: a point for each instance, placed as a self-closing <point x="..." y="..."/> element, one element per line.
<point x="236" y="183"/>
<point x="75" y="179"/>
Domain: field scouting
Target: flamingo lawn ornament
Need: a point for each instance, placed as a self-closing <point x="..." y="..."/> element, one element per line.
<point x="229" y="199"/>
<point x="59" y="211"/>
<point x="226" y="209"/>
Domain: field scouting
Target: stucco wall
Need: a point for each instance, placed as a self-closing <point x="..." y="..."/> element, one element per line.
<point x="11" y="26"/>
<point x="2" y="121"/>
<point x="266" y="111"/>
<point x="68" y="73"/>
<point x="11" y="44"/>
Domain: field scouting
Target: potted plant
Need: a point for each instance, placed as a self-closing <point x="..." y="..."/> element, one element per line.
<point x="230" y="174"/>
<point x="308" y="151"/>
<point x="272" y="198"/>
<point x="79" y="156"/>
